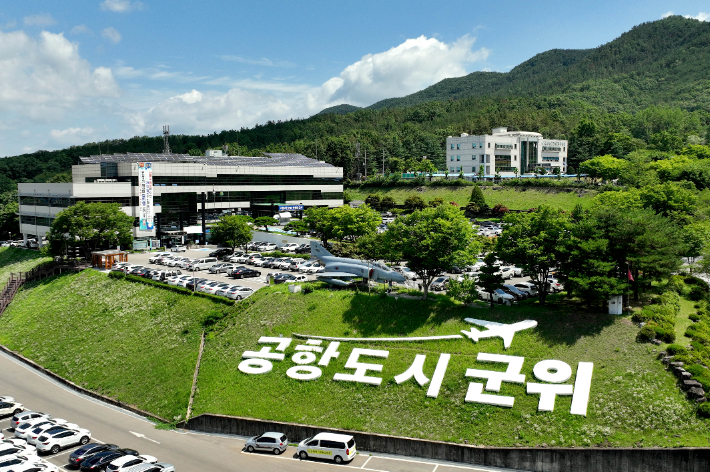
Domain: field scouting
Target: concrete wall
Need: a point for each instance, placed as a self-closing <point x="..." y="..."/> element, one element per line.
<point x="532" y="459"/>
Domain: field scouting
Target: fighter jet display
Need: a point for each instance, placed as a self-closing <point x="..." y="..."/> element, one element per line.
<point x="497" y="330"/>
<point x="341" y="270"/>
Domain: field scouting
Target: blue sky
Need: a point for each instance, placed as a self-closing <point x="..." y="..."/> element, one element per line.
<point x="80" y="71"/>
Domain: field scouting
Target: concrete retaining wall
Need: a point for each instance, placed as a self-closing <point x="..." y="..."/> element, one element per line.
<point x="532" y="459"/>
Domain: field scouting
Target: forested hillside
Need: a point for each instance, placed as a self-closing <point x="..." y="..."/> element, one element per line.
<point x="649" y="88"/>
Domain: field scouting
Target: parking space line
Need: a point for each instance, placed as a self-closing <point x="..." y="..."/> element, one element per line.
<point x="437" y="466"/>
<point x="368" y="460"/>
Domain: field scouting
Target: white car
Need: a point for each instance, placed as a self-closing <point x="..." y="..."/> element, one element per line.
<point x="311" y="268"/>
<point x="152" y="259"/>
<point x="175" y="261"/>
<point x="268" y="247"/>
<point x="526" y="287"/>
<point x="25" y="428"/>
<point x="297" y="278"/>
<point x="407" y="273"/>
<point x="11" y="448"/>
<point x="7" y="399"/>
<point x="159" y="467"/>
<point x="284" y="264"/>
<point x="20" y="418"/>
<point x="178" y="249"/>
<point x="239" y="293"/>
<point x="62" y="438"/>
<point x="126" y="462"/>
<point x="505" y="272"/>
<point x="35" y="467"/>
<point x="185" y="262"/>
<point x="499" y="296"/>
<point x="290" y="247"/>
<point x="177" y="279"/>
<point x="42" y="428"/>
<point x="21" y="443"/>
<point x="213" y="289"/>
<point x="10" y="407"/>
<point x="11" y="462"/>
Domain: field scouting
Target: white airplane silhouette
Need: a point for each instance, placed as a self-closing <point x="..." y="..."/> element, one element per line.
<point x="497" y="330"/>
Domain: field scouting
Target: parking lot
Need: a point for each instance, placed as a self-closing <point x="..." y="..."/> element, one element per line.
<point x="187" y="451"/>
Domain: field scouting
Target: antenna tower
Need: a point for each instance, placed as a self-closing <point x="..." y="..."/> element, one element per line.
<point x="166" y="134"/>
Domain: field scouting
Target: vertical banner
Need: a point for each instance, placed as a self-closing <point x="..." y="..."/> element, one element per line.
<point x="145" y="195"/>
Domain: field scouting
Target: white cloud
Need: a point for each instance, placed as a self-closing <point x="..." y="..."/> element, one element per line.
<point x="120" y="6"/>
<point x="257" y="62"/>
<point x="44" y="19"/>
<point x="667" y="14"/>
<point x="702" y="16"/>
<point x="45" y="76"/>
<point x="404" y="69"/>
<point x="71" y="134"/>
<point x="111" y="34"/>
<point x="80" y="29"/>
<point x="407" y="68"/>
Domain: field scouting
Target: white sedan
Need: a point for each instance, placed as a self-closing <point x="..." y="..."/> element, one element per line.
<point x="25" y="428"/>
<point x="297" y="278"/>
<point x="56" y="440"/>
<point x="178" y="249"/>
<point x="10" y="463"/>
<point x="36" y="467"/>
<point x="124" y="463"/>
<point x="40" y="429"/>
<point x="239" y="293"/>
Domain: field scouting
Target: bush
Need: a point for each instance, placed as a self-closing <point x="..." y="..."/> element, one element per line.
<point x="698" y="293"/>
<point x="223" y="300"/>
<point x="676" y="284"/>
<point x="697" y="347"/>
<point x="665" y="335"/>
<point x="704" y="410"/>
<point x="286" y="254"/>
<point x="675" y="349"/>
<point x="694" y="317"/>
<point x="307" y="288"/>
<point x="117" y="274"/>
<point x="671" y="300"/>
<point x="646" y="334"/>
<point x="499" y="211"/>
<point x="693" y="280"/>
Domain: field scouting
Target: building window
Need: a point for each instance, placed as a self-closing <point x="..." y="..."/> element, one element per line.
<point x="473" y="145"/>
<point x="458" y="146"/>
<point x="489" y="145"/>
<point x="452" y="146"/>
<point x="515" y="146"/>
<point x="503" y="146"/>
<point x="458" y="158"/>
<point x="458" y="169"/>
<point x="452" y="158"/>
<point x="515" y="158"/>
<point x="503" y="164"/>
<point x="452" y="169"/>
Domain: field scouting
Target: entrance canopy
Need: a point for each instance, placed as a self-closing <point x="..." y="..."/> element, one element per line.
<point x="106" y="259"/>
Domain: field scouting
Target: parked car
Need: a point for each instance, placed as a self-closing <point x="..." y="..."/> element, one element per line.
<point x="125" y="463"/>
<point x="233" y="257"/>
<point x="165" y="259"/>
<point x="284" y="264"/>
<point x="221" y="252"/>
<point x="296" y="263"/>
<point x="31" y="466"/>
<point x="10" y="407"/>
<point x="272" y="442"/>
<point x="303" y="249"/>
<point x="85" y="452"/>
<point x="164" y="274"/>
<point x="505" y="272"/>
<point x="263" y="262"/>
<point x="20" y="418"/>
<point x="267" y="247"/>
<point x="499" y="296"/>
<point x="526" y="287"/>
<point x="41" y="428"/>
<point x="22" y="431"/>
<point x="99" y="461"/>
<point x="56" y="440"/>
<point x="178" y="249"/>
<point x="192" y="284"/>
<point x="297" y="278"/>
<point x="510" y="290"/>
<point x="157" y="256"/>
<point x="213" y="289"/>
<point x="456" y="270"/>
<point x="140" y="271"/>
<point x="202" y="264"/>
<point x="283" y="278"/>
<point x="244" y="273"/>
<point x="179" y="278"/>
<point x="312" y="268"/>
<point x="440" y="284"/>
<point x="205" y="286"/>
<point x="177" y="261"/>
<point x="11" y="449"/>
<point x="10" y="462"/>
<point x="290" y="247"/>
<point x="336" y="447"/>
<point x="239" y="293"/>
<point x="218" y="268"/>
<point x="406" y="272"/>
<point x="159" y="467"/>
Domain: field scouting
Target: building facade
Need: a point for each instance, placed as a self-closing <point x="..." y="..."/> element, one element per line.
<point x="504" y="152"/>
<point x="174" y="194"/>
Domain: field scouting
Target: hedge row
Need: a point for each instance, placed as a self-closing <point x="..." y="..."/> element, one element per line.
<point x="172" y="288"/>
<point x="660" y="318"/>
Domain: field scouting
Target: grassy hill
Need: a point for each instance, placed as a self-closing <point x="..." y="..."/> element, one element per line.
<point x="139" y="343"/>
<point x="514" y="198"/>
<point x="16" y="260"/>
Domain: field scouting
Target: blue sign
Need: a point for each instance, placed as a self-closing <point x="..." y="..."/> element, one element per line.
<point x="290" y="207"/>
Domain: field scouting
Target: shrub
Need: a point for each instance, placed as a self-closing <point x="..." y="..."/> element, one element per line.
<point x="646" y="334"/>
<point x="307" y="288"/>
<point x="697" y="347"/>
<point x="675" y="349"/>
<point x="672" y="300"/>
<point x="694" y="317"/>
<point x="664" y="334"/>
<point x="286" y="254"/>
<point x="211" y="319"/>
<point x="115" y="274"/>
<point x="704" y="410"/>
<point x="693" y="280"/>
<point x="223" y="300"/>
<point x="698" y="293"/>
<point x="499" y="211"/>
<point x="676" y="283"/>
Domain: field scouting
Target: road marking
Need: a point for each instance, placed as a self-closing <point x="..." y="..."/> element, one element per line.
<point x="437" y="466"/>
<point x="368" y="460"/>
<point x="143" y="436"/>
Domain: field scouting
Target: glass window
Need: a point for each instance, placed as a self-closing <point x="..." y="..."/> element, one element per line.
<point x="452" y="158"/>
<point x="489" y="145"/>
<point x="458" y="146"/>
<point x="458" y="158"/>
<point x="452" y="146"/>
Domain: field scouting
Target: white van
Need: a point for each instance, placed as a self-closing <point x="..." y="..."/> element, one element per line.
<point x="204" y="263"/>
<point x="336" y="447"/>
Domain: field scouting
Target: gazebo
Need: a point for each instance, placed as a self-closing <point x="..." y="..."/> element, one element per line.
<point x="106" y="259"/>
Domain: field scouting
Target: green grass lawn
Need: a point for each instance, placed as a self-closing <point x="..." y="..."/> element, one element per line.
<point x="13" y="259"/>
<point x="125" y="340"/>
<point x="513" y="198"/>
<point x="633" y="399"/>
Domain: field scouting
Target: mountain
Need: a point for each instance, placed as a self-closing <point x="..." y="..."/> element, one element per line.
<point x="664" y="61"/>
<point x="343" y="109"/>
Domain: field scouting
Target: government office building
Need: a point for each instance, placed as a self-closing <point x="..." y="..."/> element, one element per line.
<point x="503" y="152"/>
<point x="171" y="196"/>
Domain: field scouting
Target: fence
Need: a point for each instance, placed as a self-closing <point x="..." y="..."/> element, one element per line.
<point x="42" y="271"/>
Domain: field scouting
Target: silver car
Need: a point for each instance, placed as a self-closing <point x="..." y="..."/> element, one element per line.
<point x="272" y="442"/>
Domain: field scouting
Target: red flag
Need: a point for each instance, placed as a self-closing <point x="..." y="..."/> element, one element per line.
<point x="631" y="277"/>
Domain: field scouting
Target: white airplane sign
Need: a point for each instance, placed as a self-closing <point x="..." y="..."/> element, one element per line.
<point x="497" y="330"/>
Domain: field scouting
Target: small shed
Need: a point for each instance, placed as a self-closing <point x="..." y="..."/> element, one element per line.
<point x="106" y="259"/>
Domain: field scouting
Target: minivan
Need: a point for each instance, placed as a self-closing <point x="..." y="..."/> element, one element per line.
<point x="204" y="263"/>
<point x="336" y="447"/>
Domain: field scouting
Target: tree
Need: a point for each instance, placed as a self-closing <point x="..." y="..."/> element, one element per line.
<point x="232" y="231"/>
<point x="297" y="226"/>
<point x="670" y="198"/>
<point x="265" y="221"/>
<point x="696" y="236"/>
<point x="9" y="221"/>
<point x="489" y="278"/>
<point x="477" y="202"/>
<point x="90" y="226"/>
<point x="318" y="221"/>
<point x="373" y="200"/>
<point x="533" y="242"/>
<point x="387" y="203"/>
<point x="464" y="291"/>
<point x="349" y="223"/>
<point x="414" y="202"/>
<point x="605" y="167"/>
<point x="432" y="241"/>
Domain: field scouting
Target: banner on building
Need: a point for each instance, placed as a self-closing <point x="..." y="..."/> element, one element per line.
<point x="145" y="195"/>
<point x="290" y="207"/>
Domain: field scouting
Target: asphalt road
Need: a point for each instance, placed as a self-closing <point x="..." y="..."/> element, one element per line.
<point x="189" y="452"/>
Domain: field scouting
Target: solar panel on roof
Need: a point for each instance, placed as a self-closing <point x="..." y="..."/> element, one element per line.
<point x="268" y="160"/>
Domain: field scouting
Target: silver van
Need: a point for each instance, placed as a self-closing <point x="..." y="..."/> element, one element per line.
<point x="204" y="263"/>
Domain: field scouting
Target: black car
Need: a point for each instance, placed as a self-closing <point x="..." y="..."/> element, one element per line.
<point x="282" y="278"/>
<point x="100" y="460"/>
<point x="455" y="270"/>
<point x="244" y="273"/>
<point x="303" y="249"/>
<point x="221" y="252"/>
<point x="85" y="452"/>
<point x="195" y="282"/>
<point x="140" y="272"/>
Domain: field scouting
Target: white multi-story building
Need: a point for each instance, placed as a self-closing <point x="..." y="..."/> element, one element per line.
<point x="173" y="194"/>
<point x="503" y="152"/>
